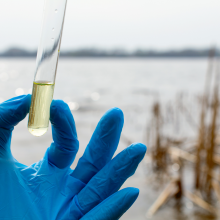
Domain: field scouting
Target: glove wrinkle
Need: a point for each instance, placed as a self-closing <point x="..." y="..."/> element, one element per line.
<point x="5" y="142"/>
<point x="111" y="177"/>
<point x="4" y="121"/>
<point x="40" y="191"/>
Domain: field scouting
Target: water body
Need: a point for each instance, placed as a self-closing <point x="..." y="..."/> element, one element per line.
<point x="91" y="87"/>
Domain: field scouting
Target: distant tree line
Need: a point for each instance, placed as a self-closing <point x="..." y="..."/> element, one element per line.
<point x="185" y="53"/>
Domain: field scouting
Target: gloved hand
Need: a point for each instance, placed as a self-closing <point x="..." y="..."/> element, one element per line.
<point x="49" y="189"/>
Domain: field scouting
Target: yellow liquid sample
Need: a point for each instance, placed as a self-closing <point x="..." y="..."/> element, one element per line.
<point x="39" y="114"/>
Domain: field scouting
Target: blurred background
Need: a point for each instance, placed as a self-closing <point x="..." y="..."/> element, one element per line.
<point x="158" y="62"/>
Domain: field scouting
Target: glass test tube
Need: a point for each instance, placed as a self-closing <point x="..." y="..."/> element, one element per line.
<point x="46" y="66"/>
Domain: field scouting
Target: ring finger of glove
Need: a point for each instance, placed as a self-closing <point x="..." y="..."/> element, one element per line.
<point x="111" y="177"/>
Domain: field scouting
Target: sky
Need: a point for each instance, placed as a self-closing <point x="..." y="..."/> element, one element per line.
<point x="109" y="24"/>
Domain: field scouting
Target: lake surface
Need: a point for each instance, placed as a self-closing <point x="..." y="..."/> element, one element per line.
<point x="91" y="87"/>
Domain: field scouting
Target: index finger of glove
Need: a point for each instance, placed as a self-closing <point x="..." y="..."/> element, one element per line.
<point x="114" y="206"/>
<point x="63" y="150"/>
<point x="12" y="112"/>
<point x="111" y="177"/>
<point x="102" y="145"/>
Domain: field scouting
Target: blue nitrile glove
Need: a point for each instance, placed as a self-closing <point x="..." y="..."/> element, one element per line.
<point x="49" y="189"/>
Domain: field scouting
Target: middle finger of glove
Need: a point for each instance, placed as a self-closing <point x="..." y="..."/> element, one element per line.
<point x="102" y="145"/>
<point x="111" y="177"/>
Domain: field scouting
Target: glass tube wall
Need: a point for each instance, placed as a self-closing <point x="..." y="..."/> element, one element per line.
<point x="46" y="66"/>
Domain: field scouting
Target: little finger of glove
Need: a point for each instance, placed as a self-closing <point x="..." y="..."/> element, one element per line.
<point x="114" y="206"/>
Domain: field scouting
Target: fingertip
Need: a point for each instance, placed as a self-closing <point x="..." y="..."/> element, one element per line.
<point x="114" y="116"/>
<point x="109" y="127"/>
<point x="59" y="103"/>
<point x="58" y="106"/>
<point x="137" y="150"/>
<point x="141" y="147"/>
<point x="129" y="196"/>
<point x="132" y="192"/>
<point x="61" y="118"/>
<point x="118" y="113"/>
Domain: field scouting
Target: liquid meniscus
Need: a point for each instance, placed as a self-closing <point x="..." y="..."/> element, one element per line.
<point x="39" y="113"/>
